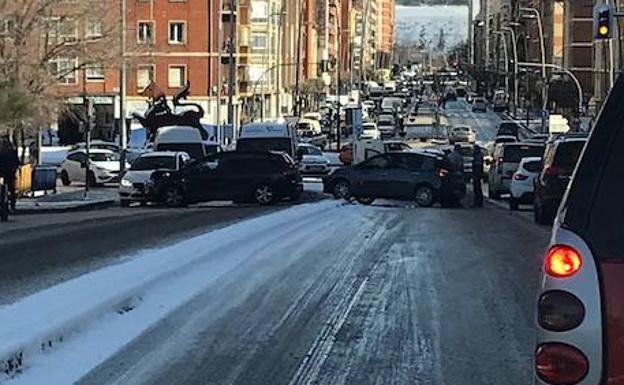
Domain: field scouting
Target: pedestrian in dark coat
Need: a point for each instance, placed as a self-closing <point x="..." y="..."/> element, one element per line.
<point x="477" y="176"/>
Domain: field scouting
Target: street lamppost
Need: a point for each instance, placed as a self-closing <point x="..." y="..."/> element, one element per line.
<point x="515" y="51"/>
<point x="504" y="40"/>
<point x="532" y="13"/>
<point x="564" y="70"/>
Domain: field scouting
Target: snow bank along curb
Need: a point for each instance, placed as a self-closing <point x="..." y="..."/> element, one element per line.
<point x="38" y="322"/>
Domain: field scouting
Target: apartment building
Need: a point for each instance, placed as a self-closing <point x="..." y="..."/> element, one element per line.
<point x="385" y="33"/>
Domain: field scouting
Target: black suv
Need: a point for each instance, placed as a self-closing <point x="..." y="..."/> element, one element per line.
<point x="509" y="128"/>
<point x="560" y="158"/>
<point x="264" y="178"/>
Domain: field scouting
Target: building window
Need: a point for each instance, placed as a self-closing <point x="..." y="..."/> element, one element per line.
<point x="94" y="29"/>
<point x="177" y="32"/>
<point x="64" y="69"/>
<point x="145" y="75"/>
<point x="259" y="40"/>
<point x="145" y="32"/>
<point x="177" y="76"/>
<point x="67" y="31"/>
<point x="259" y="10"/>
<point x="95" y="72"/>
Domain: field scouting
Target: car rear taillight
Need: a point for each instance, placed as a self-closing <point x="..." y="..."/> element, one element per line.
<point x="443" y="173"/>
<point x="559" y="311"/>
<point x="560" y="364"/>
<point x="520" y="177"/>
<point x="562" y="262"/>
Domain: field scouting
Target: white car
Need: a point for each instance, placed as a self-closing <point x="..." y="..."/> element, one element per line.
<point x="313" y="162"/>
<point x="370" y="131"/>
<point x="522" y="188"/>
<point x="133" y="182"/>
<point x="103" y="167"/>
<point x="463" y="134"/>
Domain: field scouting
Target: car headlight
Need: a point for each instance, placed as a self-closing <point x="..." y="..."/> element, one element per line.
<point x="126" y="183"/>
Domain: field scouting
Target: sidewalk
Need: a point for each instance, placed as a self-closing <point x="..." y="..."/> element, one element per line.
<point x="73" y="200"/>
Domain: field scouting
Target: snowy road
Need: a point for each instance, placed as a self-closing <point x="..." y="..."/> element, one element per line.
<point x="387" y="294"/>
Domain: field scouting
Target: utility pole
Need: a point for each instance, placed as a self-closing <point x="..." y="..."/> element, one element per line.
<point x="219" y="56"/>
<point x="123" y="130"/>
<point x="470" y="34"/>
<point x="300" y="15"/>
<point x="232" y="64"/>
<point x="279" y="50"/>
<point x="338" y="64"/>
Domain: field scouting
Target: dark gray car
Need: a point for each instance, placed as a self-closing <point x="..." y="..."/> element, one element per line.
<point x="417" y="177"/>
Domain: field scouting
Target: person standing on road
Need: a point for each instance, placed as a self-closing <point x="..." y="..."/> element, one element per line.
<point x="477" y="176"/>
<point x="456" y="159"/>
<point x="9" y="164"/>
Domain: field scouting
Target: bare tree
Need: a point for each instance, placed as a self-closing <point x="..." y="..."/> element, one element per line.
<point x="47" y="42"/>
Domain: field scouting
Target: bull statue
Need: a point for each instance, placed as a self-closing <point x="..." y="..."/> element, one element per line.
<point x="159" y="114"/>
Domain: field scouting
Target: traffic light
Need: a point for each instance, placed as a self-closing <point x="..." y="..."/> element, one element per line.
<point x="603" y="21"/>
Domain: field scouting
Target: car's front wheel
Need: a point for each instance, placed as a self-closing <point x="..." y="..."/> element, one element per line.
<point x="174" y="197"/>
<point x="341" y="189"/>
<point x="264" y="194"/>
<point x="424" y="196"/>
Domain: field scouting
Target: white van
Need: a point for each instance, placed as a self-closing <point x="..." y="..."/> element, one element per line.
<point x="268" y="136"/>
<point x="367" y="148"/>
<point x="183" y="139"/>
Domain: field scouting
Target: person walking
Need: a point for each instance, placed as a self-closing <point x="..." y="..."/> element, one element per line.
<point x="477" y="176"/>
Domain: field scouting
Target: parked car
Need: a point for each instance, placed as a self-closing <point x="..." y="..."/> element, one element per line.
<point x="579" y="323"/>
<point x="479" y="104"/>
<point x="133" y="182"/>
<point x="386" y="125"/>
<point x="260" y="177"/>
<point x="560" y="158"/>
<point x="506" y="159"/>
<point x="522" y="189"/>
<point x="509" y="128"/>
<point x="313" y="162"/>
<point x="103" y="167"/>
<point x="370" y="131"/>
<point x="418" y="177"/>
<point x="500" y="101"/>
<point x="463" y="134"/>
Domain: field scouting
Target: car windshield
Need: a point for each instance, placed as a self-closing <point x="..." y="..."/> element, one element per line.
<point x="154" y="163"/>
<point x="513" y="153"/>
<point x="104" y="157"/>
<point x="264" y="144"/>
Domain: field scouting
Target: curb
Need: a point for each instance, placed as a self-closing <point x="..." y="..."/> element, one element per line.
<point x="81" y="207"/>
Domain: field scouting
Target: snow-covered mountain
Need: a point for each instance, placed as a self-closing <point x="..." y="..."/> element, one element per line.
<point x="414" y="24"/>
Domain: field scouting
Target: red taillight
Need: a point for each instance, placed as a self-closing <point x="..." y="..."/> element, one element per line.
<point x="562" y="262"/>
<point x="443" y="173"/>
<point x="552" y="171"/>
<point x="520" y="177"/>
<point x="560" y="364"/>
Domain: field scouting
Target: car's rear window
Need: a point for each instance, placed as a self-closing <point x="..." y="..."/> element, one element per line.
<point x="516" y="153"/>
<point x="568" y="153"/>
<point x="534" y="166"/>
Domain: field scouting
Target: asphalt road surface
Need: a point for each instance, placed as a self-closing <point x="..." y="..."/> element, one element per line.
<point x="386" y="294"/>
<point x="40" y="250"/>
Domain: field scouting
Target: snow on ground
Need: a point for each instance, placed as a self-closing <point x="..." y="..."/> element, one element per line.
<point x="157" y="282"/>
